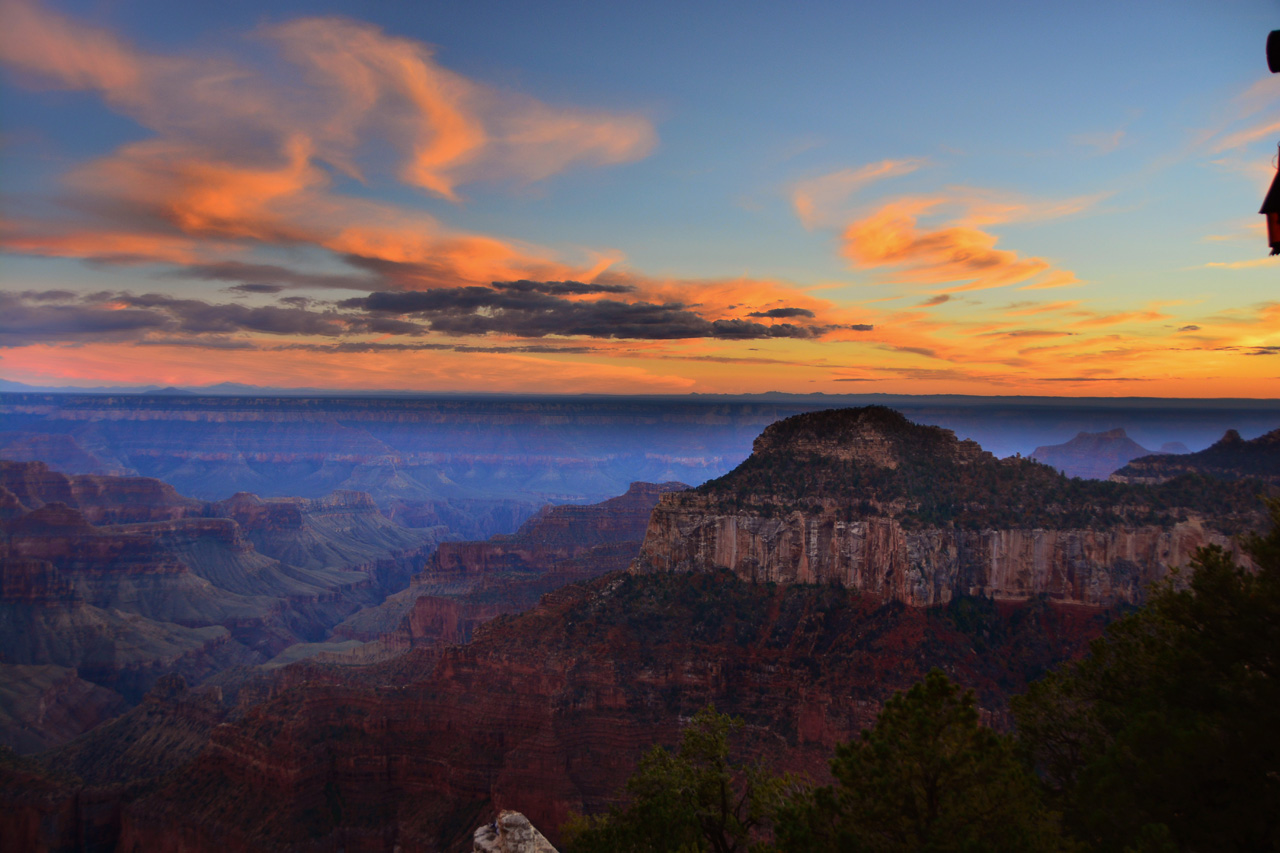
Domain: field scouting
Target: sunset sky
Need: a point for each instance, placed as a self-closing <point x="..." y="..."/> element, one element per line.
<point x="929" y="197"/>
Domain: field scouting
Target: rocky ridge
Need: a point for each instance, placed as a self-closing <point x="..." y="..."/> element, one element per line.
<point x="869" y="500"/>
<point x="1230" y="458"/>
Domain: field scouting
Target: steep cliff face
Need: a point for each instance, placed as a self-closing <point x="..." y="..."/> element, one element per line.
<point x="100" y="499"/>
<point x="921" y="567"/>
<point x="550" y="710"/>
<point x="864" y="498"/>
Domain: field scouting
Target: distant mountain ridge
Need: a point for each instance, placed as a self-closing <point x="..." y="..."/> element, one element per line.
<point x="1230" y="458"/>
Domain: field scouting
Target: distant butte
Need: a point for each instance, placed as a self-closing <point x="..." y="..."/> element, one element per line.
<point x="1093" y="455"/>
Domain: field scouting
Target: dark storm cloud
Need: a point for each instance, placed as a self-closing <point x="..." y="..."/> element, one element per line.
<point x="528" y="312"/>
<point x="257" y="288"/>
<point x="196" y="317"/>
<point x="563" y="288"/>
<point x="377" y="346"/>
<point x="269" y="278"/>
<point x="33" y="320"/>
<point x="782" y="313"/>
<point x="860" y="327"/>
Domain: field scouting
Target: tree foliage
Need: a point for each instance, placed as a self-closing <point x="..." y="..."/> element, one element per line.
<point x="927" y="777"/>
<point x="696" y="799"/>
<point x="1167" y="736"/>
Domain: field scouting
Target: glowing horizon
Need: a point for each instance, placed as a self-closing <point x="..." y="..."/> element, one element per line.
<point x="316" y="200"/>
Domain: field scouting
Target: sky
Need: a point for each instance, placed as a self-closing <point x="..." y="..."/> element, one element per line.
<point x="928" y="197"/>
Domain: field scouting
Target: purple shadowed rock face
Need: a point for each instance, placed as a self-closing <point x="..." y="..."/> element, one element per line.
<point x="1093" y="455"/>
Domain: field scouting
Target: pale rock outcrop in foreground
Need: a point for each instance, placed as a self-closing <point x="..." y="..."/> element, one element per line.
<point x="511" y="833"/>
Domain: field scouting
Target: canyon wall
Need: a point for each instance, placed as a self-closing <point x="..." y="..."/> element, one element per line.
<point x="866" y="499"/>
<point x="921" y="567"/>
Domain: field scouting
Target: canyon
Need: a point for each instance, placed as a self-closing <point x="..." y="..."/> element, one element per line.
<point x="543" y="712"/>
<point x="848" y="555"/>
<point x="465" y="584"/>
<point x="109" y="583"/>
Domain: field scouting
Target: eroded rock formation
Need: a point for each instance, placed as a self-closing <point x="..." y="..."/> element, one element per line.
<point x="510" y="832"/>
<point x="110" y="582"/>
<point x="548" y="712"/>
<point x="1093" y="455"/>
<point x="866" y="499"/>
<point x="465" y="584"/>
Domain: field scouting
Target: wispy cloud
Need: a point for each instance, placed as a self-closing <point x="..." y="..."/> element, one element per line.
<point x="820" y="201"/>
<point x="240" y="157"/>
<point x="959" y="257"/>
<point x="1102" y="142"/>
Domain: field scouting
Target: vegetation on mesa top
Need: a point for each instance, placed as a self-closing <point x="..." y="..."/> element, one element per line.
<point x="872" y="461"/>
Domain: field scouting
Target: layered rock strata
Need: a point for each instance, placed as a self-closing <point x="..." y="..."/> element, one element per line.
<point x="465" y="584"/>
<point x="114" y="581"/>
<point x="868" y="500"/>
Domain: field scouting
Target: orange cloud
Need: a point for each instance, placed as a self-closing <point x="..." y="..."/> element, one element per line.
<point x="1026" y="309"/>
<point x="817" y="200"/>
<point x="69" y="54"/>
<point x="961" y="256"/>
<point x="359" y="86"/>
<point x="1150" y="315"/>
<point x="239" y="158"/>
